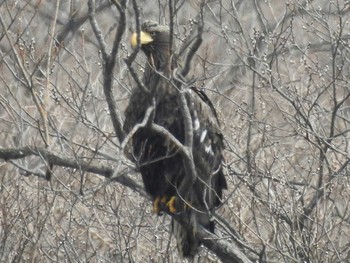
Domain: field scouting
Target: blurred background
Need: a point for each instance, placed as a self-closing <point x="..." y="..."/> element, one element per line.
<point x="278" y="73"/>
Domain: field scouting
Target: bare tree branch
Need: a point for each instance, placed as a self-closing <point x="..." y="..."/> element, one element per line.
<point x="109" y="63"/>
<point x="108" y="172"/>
<point x="195" y="46"/>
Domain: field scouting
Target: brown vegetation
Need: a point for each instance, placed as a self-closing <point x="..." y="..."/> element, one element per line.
<point x="278" y="73"/>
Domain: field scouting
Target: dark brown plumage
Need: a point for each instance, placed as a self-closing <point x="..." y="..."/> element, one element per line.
<point x="159" y="161"/>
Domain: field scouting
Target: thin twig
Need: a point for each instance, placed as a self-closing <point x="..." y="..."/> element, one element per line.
<point x="97" y="30"/>
<point x="144" y="122"/>
<point x="132" y="57"/>
<point x="109" y="63"/>
<point x="194" y="48"/>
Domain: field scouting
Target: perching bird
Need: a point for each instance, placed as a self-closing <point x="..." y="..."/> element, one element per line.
<point x="160" y="162"/>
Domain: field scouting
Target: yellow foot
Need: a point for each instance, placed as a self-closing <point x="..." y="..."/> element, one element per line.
<point x="171" y="205"/>
<point x="159" y="204"/>
<point x="163" y="203"/>
<point x="156" y="208"/>
<point x="164" y="200"/>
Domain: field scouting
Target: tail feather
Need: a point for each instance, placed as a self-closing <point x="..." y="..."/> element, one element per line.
<point x="187" y="242"/>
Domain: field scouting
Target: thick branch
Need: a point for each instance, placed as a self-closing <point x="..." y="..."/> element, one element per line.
<point x="108" y="172"/>
<point x="228" y="252"/>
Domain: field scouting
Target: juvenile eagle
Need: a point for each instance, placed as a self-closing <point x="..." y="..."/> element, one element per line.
<point x="159" y="161"/>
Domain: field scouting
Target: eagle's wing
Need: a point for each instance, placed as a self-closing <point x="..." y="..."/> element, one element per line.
<point x="206" y="192"/>
<point x="207" y="151"/>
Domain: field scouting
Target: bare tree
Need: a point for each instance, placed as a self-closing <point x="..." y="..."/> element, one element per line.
<point x="278" y="75"/>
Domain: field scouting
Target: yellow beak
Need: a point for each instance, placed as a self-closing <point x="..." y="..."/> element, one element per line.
<point x="145" y="38"/>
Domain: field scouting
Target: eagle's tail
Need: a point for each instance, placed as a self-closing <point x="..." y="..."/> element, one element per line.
<point x="187" y="242"/>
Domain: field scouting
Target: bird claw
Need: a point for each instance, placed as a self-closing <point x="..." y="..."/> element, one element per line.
<point x="164" y="204"/>
<point x="156" y="209"/>
<point x="171" y="205"/>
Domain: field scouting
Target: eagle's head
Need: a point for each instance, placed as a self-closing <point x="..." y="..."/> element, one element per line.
<point x="152" y="36"/>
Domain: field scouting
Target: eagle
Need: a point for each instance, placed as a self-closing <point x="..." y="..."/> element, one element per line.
<point x="158" y="158"/>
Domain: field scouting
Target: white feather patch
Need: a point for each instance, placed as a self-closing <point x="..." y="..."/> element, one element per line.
<point x="204" y="133"/>
<point x="196" y="124"/>
<point x="195" y="119"/>
<point x="208" y="149"/>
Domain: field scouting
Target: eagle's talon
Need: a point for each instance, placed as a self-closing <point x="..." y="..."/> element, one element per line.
<point x="171" y="205"/>
<point x="160" y="204"/>
<point x="156" y="209"/>
<point x="164" y="200"/>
